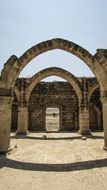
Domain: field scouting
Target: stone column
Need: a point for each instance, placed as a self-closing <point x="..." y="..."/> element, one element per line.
<point x="22" y="120"/>
<point x="5" y="122"/>
<point x="22" y="112"/>
<point x="84" y="120"/>
<point x="104" y="105"/>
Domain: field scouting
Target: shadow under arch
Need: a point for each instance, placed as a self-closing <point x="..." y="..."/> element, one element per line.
<point x="64" y="167"/>
<point x="73" y="81"/>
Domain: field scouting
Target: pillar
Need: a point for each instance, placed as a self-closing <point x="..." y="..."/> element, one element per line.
<point x="104" y="106"/>
<point x="84" y="120"/>
<point x="5" y="122"/>
<point x="22" y="120"/>
<point x="22" y="112"/>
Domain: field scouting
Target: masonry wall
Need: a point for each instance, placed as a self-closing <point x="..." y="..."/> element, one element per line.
<point x="14" y="115"/>
<point x="63" y="96"/>
<point x="53" y="94"/>
<point x="96" y="118"/>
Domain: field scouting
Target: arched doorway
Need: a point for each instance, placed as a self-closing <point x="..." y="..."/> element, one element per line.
<point x="53" y="94"/>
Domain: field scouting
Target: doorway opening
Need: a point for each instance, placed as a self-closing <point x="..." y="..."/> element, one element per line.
<point x="52" y="121"/>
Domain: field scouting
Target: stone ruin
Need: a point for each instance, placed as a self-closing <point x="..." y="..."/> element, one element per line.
<point x="80" y="103"/>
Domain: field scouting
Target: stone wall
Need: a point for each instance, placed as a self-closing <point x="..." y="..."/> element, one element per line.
<point x="96" y="121"/>
<point x="53" y="94"/>
<point x="63" y="96"/>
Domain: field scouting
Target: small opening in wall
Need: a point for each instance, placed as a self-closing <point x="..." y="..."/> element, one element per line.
<point x="52" y="123"/>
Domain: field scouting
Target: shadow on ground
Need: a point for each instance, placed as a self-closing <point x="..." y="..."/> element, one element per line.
<point x="86" y="165"/>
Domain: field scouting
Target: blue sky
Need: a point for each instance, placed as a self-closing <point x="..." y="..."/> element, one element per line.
<point x="24" y="23"/>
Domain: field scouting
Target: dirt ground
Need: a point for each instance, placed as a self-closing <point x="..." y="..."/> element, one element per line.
<point x="62" y="161"/>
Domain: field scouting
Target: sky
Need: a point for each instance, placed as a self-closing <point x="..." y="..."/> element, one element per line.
<point x="25" y="23"/>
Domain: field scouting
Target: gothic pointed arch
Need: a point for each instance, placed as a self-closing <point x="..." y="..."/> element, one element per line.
<point x="15" y="65"/>
<point x="74" y="82"/>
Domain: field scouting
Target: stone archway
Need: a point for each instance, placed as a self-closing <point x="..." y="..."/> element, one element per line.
<point x="14" y="66"/>
<point x="73" y="81"/>
<point x="34" y="80"/>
